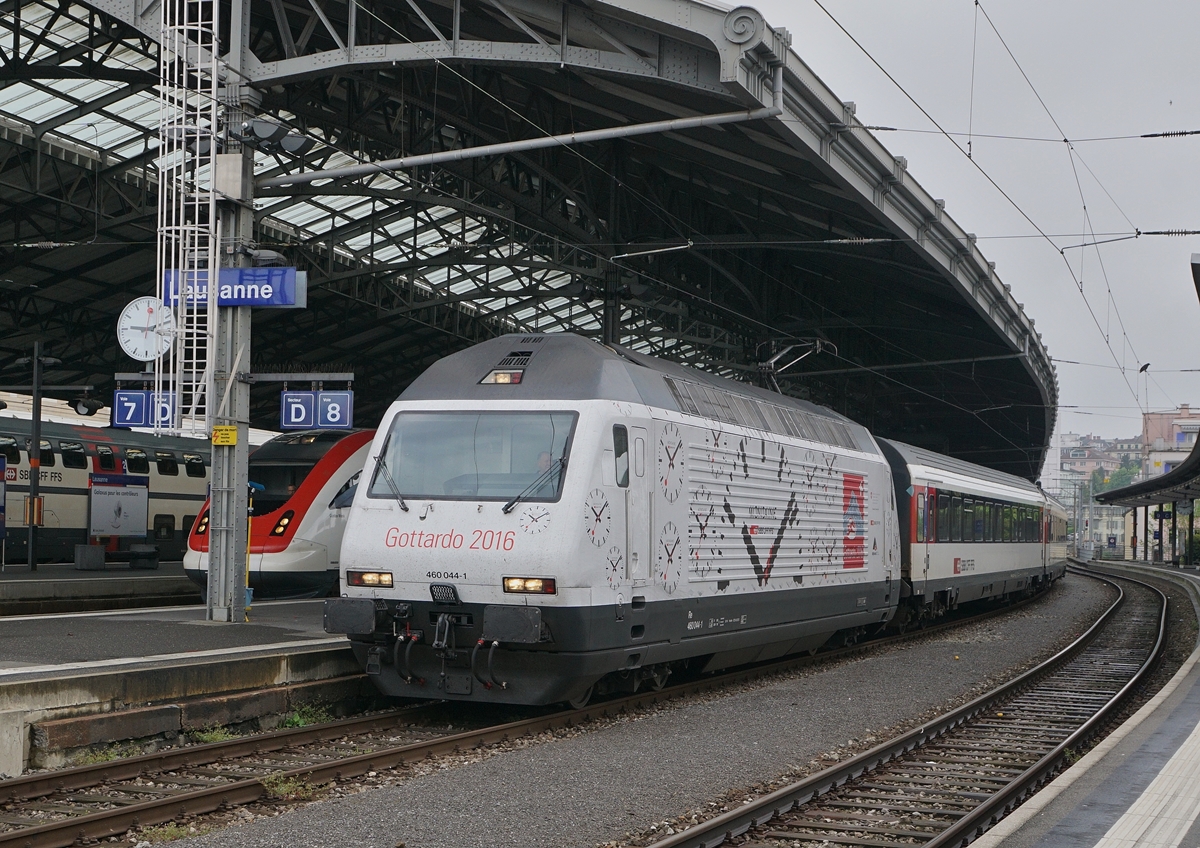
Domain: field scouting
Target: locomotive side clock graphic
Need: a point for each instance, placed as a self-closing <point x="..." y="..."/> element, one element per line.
<point x="597" y="517"/>
<point x="669" y="556"/>
<point x="670" y="462"/>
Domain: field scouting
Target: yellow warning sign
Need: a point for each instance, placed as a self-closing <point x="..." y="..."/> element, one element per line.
<point x="224" y="434"/>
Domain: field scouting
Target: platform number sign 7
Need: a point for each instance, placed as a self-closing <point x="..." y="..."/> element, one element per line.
<point x="335" y="410"/>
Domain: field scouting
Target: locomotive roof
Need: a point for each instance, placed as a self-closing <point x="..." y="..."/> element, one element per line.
<point x="919" y="456"/>
<point x="565" y="366"/>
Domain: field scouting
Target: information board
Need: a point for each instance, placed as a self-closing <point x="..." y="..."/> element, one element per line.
<point x="118" y="505"/>
<point x="138" y="408"/>
<point x="3" y="494"/>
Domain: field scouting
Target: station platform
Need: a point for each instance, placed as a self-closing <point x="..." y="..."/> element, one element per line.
<point x="72" y="682"/>
<point x="1140" y="786"/>
<point x="60" y="587"/>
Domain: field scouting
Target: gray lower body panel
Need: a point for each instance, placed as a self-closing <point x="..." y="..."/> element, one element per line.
<point x="580" y="645"/>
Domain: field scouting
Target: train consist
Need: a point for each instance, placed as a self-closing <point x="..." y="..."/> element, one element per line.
<point x="304" y="483"/>
<point x="176" y="468"/>
<point x="543" y="517"/>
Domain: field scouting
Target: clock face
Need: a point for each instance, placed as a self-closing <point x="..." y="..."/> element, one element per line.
<point x="704" y="511"/>
<point x="668" y="557"/>
<point x="615" y="566"/>
<point x="145" y="329"/>
<point x="670" y="462"/>
<point x="597" y="517"/>
<point x="535" y="519"/>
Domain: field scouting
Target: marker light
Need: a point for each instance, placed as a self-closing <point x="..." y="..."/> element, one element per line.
<point x="202" y="524"/>
<point x="369" y="578"/>
<point x="506" y="377"/>
<point x="531" y="585"/>
<point x="282" y="524"/>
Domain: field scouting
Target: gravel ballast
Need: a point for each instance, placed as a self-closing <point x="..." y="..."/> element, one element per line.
<point x="612" y="781"/>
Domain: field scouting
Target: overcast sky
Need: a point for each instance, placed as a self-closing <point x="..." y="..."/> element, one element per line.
<point x="1103" y="68"/>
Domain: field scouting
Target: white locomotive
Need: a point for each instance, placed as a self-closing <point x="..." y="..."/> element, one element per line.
<point x="542" y="515"/>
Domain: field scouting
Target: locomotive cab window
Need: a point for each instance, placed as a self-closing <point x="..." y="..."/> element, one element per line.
<point x="494" y="456"/>
<point x="136" y="461"/>
<point x="10" y="451"/>
<point x="621" y="454"/>
<point x="73" y="455"/>
<point x="105" y="457"/>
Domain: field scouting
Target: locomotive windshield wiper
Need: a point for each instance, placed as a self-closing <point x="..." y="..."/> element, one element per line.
<point x="542" y="479"/>
<point x="381" y="465"/>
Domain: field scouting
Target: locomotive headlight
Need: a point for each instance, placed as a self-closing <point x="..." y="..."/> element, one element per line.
<point x="531" y="585"/>
<point x="282" y="524"/>
<point x="202" y="525"/>
<point x="369" y="578"/>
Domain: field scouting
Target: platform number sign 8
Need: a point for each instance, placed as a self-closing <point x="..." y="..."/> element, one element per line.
<point x="326" y="410"/>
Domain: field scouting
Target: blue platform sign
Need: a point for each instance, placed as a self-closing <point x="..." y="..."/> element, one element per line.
<point x="335" y="410"/>
<point x="235" y="287"/>
<point x="138" y="408"/>
<point x="297" y="410"/>
<point x="309" y="410"/>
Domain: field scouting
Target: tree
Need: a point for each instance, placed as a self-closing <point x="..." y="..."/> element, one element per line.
<point x="1123" y="476"/>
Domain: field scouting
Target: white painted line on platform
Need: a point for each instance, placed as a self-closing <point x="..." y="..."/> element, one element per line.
<point x="125" y="662"/>
<point x="146" y="610"/>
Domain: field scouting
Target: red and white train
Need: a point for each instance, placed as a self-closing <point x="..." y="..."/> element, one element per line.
<point x="308" y="479"/>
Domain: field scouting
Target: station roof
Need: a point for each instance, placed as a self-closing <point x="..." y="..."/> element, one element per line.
<point x="802" y="226"/>
<point x="1179" y="484"/>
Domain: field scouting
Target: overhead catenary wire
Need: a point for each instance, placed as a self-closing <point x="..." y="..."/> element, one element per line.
<point x="1020" y="210"/>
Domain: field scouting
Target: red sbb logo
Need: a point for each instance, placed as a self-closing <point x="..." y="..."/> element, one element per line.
<point x="10" y="474"/>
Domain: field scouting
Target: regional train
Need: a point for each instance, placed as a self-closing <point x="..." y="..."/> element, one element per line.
<point x="176" y="470"/>
<point x="303" y="483"/>
<point x="542" y="518"/>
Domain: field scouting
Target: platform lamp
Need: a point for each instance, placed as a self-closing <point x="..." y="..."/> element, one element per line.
<point x="33" y="503"/>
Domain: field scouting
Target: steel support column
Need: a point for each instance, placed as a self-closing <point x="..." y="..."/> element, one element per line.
<point x="228" y="561"/>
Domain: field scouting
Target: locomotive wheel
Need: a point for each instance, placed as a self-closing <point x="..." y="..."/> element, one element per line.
<point x="581" y="701"/>
<point x="658" y="678"/>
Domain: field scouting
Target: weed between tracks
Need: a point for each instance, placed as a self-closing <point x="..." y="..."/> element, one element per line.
<point x="171" y="832"/>
<point x="283" y="788"/>
<point x="216" y="733"/>
<point x="305" y="715"/>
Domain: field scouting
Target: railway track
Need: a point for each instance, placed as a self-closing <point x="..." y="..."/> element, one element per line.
<point x="947" y="782"/>
<point x="80" y="805"/>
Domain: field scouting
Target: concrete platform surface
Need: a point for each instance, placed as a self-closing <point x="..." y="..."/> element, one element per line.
<point x="1139" y="787"/>
<point x="67" y="643"/>
<point x="60" y="587"/>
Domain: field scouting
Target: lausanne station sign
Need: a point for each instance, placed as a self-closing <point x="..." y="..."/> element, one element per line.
<point x="269" y="287"/>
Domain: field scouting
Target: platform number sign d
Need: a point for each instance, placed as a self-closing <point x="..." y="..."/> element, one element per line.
<point x="309" y="410"/>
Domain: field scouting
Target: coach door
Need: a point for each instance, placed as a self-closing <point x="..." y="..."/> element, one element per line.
<point x="922" y="505"/>
<point x="637" y="507"/>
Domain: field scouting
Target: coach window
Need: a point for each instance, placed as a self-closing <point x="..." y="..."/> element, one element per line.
<point x="943" y="518"/>
<point x="167" y="463"/>
<point x="956" y="519"/>
<point x="45" y="455"/>
<point x="136" y="461"/>
<point x="164" y="528"/>
<point x="10" y="451"/>
<point x="986" y="521"/>
<point x="920" y="518"/>
<point x="193" y="464"/>
<point x="998" y="522"/>
<point x="106" y="458"/>
<point x="930" y="525"/>
<point x="73" y="455"/>
<point x="968" y="520"/>
<point x="621" y="452"/>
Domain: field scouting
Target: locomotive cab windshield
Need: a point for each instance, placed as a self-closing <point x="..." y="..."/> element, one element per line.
<point x="491" y="456"/>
